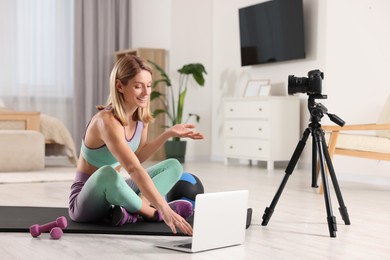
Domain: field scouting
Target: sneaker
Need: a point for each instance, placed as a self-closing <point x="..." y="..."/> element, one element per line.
<point x="121" y="216"/>
<point x="182" y="207"/>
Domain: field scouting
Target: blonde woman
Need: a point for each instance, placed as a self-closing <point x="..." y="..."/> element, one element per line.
<point x="116" y="137"/>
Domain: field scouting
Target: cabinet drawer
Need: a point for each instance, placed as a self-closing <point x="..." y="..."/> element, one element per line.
<point x="251" y="129"/>
<point x="246" y="147"/>
<point x="249" y="109"/>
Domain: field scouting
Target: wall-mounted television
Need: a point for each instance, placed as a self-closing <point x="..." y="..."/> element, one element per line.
<point x="271" y="31"/>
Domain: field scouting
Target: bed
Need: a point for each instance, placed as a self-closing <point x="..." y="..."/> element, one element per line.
<point x="58" y="140"/>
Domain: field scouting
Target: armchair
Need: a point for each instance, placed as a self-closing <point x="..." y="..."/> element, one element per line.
<point x="370" y="141"/>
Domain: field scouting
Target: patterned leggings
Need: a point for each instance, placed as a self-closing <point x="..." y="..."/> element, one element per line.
<point x="92" y="196"/>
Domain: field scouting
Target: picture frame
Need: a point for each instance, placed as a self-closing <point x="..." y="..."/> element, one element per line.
<point x="256" y="88"/>
<point x="265" y="90"/>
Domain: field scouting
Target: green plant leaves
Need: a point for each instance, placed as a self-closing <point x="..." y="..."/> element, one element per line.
<point x="175" y="115"/>
<point x="158" y="111"/>
<point x="196" y="70"/>
<point x="155" y="94"/>
<point x="180" y="106"/>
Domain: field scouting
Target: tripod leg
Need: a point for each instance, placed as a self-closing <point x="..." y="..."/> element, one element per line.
<point x="314" y="165"/>
<point x="332" y="225"/>
<point x="343" y="209"/>
<point x="290" y="167"/>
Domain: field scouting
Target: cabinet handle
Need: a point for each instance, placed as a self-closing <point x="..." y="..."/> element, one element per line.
<point x="260" y="129"/>
<point x="260" y="149"/>
<point x="260" y="109"/>
<point x="231" y="110"/>
<point x="231" y="128"/>
<point x="231" y="147"/>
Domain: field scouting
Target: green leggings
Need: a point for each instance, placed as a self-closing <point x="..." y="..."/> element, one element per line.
<point x="92" y="196"/>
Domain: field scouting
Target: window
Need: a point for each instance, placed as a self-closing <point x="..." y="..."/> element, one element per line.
<point x="36" y="56"/>
<point x="37" y="47"/>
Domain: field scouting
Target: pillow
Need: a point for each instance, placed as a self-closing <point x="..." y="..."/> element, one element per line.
<point x="3" y="107"/>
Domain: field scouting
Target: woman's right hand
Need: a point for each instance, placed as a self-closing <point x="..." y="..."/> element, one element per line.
<point x="173" y="220"/>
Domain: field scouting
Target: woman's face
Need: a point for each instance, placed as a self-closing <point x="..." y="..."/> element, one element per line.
<point x="137" y="90"/>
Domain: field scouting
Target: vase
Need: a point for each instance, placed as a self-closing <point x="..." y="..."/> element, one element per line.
<point x="176" y="149"/>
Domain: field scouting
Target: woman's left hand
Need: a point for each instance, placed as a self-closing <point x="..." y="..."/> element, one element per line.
<point x="185" y="130"/>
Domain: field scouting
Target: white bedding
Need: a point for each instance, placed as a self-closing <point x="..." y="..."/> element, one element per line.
<point x="58" y="139"/>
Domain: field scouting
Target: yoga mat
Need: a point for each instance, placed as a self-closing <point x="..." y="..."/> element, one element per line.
<point x="19" y="219"/>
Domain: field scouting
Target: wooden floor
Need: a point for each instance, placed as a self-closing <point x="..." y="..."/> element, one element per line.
<point x="297" y="230"/>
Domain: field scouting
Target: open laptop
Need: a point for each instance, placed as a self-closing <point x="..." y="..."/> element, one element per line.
<point x="219" y="221"/>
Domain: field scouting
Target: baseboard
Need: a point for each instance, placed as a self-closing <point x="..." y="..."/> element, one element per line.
<point x="57" y="161"/>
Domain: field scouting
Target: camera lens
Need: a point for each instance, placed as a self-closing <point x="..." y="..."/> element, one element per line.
<point x="297" y="85"/>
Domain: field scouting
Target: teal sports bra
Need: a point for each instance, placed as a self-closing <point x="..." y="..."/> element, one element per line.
<point x="101" y="156"/>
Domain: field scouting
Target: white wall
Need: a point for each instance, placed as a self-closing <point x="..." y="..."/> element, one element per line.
<point x="358" y="58"/>
<point x="184" y="29"/>
<point x="357" y="66"/>
<point x="151" y="24"/>
<point x="348" y="40"/>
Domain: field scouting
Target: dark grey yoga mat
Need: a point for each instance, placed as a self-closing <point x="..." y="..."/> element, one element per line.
<point x="19" y="219"/>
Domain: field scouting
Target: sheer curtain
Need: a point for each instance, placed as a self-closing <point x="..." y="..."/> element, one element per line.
<point x="36" y="57"/>
<point x="101" y="28"/>
<point x="56" y="55"/>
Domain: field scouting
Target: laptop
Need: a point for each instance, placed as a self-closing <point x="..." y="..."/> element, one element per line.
<point x="219" y="221"/>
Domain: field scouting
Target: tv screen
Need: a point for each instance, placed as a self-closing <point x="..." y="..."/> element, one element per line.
<point x="271" y="31"/>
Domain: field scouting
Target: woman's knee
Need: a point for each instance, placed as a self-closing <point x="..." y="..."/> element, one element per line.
<point x="107" y="174"/>
<point x="176" y="167"/>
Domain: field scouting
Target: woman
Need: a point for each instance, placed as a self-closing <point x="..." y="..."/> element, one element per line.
<point x="116" y="136"/>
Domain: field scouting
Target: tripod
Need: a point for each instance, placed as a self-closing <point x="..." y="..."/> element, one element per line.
<point x="319" y="148"/>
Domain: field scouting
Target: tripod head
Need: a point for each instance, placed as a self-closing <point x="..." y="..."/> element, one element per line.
<point x="317" y="110"/>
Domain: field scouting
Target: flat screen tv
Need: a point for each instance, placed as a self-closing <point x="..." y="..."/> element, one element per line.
<point x="271" y="31"/>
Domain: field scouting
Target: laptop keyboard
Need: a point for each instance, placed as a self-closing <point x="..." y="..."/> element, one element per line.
<point x="187" y="245"/>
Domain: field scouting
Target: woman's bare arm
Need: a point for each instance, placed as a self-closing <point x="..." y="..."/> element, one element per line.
<point x="148" y="148"/>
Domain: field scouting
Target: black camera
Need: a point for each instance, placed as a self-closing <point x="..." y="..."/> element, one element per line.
<point x="310" y="85"/>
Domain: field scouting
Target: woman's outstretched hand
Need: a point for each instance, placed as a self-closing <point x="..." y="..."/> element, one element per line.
<point x="185" y="130"/>
<point x="173" y="220"/>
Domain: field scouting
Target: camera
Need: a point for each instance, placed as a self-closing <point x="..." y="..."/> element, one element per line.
<point x="310" y="85"/>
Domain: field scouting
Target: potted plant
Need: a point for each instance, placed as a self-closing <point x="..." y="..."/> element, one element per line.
<point x="173" y="103"/>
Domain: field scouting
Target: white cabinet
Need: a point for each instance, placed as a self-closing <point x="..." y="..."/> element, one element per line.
<point x="261" y="128"/>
